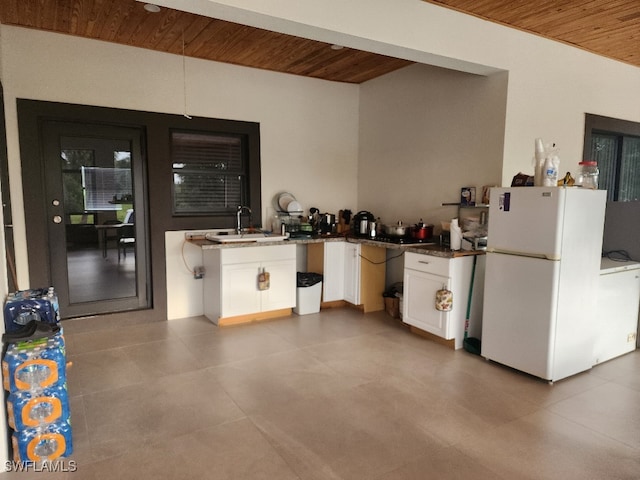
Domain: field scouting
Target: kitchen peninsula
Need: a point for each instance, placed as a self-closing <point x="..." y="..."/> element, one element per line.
<point x="354" y="270"/>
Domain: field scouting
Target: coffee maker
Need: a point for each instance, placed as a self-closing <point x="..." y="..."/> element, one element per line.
<point x="362" y="223"/>
<point x="327" y="224"/>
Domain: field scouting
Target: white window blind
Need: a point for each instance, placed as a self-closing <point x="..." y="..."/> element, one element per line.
<point x="104" y="187"/>
<point x="209" y="172"/>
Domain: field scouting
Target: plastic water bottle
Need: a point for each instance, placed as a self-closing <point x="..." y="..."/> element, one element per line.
<point x="551" y="165"/>
<point x="52" y="296"/>
<point x="32" y="408"/>
<point x="47" y="442"/>
<point x="34" y="364"/>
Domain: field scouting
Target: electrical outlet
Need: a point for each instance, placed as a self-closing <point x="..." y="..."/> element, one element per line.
<point x="631" y="337"/>
<point x="198" y="273"/>
<point x="194" y="235"/>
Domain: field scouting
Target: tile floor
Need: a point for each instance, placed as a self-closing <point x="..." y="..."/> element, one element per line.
<point x="335" y="395"/>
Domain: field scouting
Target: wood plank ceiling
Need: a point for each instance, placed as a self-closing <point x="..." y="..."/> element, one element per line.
<point x="606" y="27"/>
<point x="126" y="22"/>
<point x="610" y="28"/>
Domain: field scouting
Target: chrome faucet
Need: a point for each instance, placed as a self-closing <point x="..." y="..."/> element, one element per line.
<point x="241" y="208"/>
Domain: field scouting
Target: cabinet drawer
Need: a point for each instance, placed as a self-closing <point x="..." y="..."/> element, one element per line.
<point x="428" y="264"/>
<point x="257" y="254"/>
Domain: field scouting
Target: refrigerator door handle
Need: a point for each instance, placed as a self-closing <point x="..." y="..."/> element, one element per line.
<point x="542" y="256"/>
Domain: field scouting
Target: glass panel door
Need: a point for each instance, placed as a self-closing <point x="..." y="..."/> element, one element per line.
<point x="96" y="224"/>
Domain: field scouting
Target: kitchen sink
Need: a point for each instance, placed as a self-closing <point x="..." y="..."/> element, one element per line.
<point x="244" y="237"/>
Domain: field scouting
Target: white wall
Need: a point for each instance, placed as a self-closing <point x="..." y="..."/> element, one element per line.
<point x="309" y="128"/>
<point x="184" y="293"/>
<point x="425" y="132"/>
<point x="551" y="85"/>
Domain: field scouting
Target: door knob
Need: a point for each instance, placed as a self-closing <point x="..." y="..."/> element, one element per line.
<point x="57" y="219"/>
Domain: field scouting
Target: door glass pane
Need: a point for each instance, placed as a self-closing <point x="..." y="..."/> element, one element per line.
<point x="98" y="206"/>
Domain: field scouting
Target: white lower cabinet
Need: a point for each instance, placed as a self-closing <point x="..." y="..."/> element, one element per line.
<point x="282" y="292"/>
<point x="419" y="293"/>
<point x="333" y="271"/>
<point x="352" y="273"/>
<point x="231" y="287"/>
<point x="239" y="294"/>
<point x="424" y="275"/>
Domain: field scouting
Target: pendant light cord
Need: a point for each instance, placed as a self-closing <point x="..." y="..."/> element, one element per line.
<point x="184" y="78"/>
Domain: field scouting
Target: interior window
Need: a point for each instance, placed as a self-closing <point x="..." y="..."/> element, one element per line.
<point x="615" y="145"/>
<point x="209" y="172"/>
<point x="106" y="188"/>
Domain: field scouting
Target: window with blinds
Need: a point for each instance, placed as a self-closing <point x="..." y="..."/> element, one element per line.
<point x="209" y="172"/>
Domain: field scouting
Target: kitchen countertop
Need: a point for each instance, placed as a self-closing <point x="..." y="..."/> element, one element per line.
<point x="608" y="265"/>
<point x="425" y="249"/>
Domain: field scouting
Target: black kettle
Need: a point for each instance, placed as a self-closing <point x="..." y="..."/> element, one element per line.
<point x="362" y="223"/>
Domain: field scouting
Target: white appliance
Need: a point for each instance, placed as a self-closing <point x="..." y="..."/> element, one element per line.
<point x="543" y="261"/>
<point x="618" y="305"/>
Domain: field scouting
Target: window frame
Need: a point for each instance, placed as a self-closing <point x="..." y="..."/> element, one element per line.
<point x="243" y="171"/>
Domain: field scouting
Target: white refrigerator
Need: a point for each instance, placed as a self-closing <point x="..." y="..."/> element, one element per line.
<point x="543" y="261"/>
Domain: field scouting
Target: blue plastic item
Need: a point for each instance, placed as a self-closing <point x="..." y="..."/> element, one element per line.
<point x="34" y="365"/>
<point x="43" y="443"/>
<point x="29" y="409"/>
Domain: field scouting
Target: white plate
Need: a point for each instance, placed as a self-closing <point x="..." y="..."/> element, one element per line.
<point x="284" y="199"/>
<point x="294" y="207"/>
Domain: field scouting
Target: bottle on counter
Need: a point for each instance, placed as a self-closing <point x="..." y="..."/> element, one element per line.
<point x="588" y="174"/>
<point x="456" y="235"/>
<point x="551" y="166"/>
<point x="373" y="226"/>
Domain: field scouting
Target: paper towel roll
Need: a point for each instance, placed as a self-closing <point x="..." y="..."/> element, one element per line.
<point x="456" y="235"/>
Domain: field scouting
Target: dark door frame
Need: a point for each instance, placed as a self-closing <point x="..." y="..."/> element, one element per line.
<point x="10" y="255"/>
<point x="31" y="117"/>
<point x="157" y="127"/>
<point x="52" y="133"/>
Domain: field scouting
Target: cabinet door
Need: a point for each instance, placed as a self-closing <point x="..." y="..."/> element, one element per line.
<point x="282" y="285"/>
<point x="419" y="302"/>
<point x="240" y="294"/>
<point x="333" y="277"/>
<point x="352" y="273"/>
